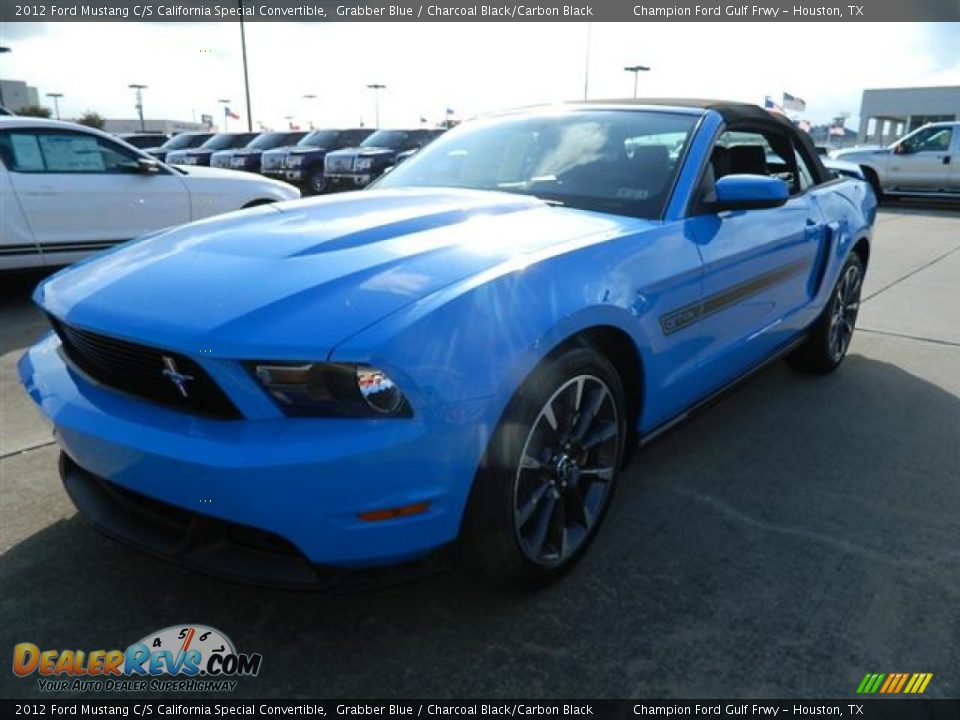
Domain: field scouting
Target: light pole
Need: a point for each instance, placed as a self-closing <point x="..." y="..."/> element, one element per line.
<point x="139" y="89"/>
<point x="586" y="64"/>
<point x="56" y="102"/>
<point x="246" y="78"/>
<point x="225" y="102"/>
<point x="636" y="70"/>
<point x="3" y="49"/>
<point x="309" y="97"/>
<point x="376" y="87"/>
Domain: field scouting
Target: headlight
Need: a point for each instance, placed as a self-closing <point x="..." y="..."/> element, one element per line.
<point x="364" y="163"/>
<point x="331" y="390"/>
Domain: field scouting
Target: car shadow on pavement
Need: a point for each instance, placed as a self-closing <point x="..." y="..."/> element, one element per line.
<point x="21" y="322"/>
<point x="784" y="542"/>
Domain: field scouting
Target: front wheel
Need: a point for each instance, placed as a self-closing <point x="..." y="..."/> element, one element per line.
<point x="550" y="470"/>
<point x="317" y="181"/>
<point x="830" y="336"/>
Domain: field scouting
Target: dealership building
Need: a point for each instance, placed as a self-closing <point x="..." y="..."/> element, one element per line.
<point x="132" y="125"/>
<point x="890" y="113"/>
<point x="16" y="94"/>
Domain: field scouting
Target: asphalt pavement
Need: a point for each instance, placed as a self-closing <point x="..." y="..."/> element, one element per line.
<point x="795" y="536"/>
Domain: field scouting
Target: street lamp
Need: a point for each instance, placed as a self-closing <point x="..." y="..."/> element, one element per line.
<point x="225" y="102"/>
<point x="139" y="89"/>
<point x="636" y="70"/>
<point x="246" y="77"/>
<point x="309" y="97"/>
<point x="376" y="87"/>
<point x="56" y="102"/>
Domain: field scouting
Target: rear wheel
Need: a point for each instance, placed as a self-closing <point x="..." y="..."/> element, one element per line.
<point x="550" y="470"/>
<point x="830" y="336"/>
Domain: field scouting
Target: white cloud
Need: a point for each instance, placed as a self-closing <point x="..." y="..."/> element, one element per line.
<point x="470" y="67"/>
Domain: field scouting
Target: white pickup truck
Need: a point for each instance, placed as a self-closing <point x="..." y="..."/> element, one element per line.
<point x="925" y="163"/>
<point x="68" y="190"/>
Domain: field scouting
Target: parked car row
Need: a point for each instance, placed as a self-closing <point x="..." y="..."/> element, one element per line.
<point x="358" y="156"/>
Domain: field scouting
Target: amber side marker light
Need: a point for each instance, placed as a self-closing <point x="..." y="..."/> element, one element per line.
<point x="393" y="513"/>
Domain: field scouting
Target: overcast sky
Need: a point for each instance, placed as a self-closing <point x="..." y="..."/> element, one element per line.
<point x="469" y="67"/>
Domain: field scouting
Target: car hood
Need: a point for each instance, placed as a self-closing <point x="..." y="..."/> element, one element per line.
<point x="306" y="150"/>
<point x="363" y="152"/>
<point x="293" y="280"/>
<point x="854" y="153"/>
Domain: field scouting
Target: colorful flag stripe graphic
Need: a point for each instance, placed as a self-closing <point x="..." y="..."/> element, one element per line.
<point x="894" y="683"/>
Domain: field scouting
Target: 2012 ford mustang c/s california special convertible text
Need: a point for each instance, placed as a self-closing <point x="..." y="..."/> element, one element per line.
<point x="465" y="351"/>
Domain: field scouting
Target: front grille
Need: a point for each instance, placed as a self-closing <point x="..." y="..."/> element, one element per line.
<point x="340" y="164"/>
<point x="139" y="370"/>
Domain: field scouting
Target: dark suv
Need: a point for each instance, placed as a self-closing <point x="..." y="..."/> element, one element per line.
<point x="357" y="167"/>
<point x="302" y="164"/>
<point x="201" y="155"/>
<point x="183" y="141"/>
<point x="248" y="157"/>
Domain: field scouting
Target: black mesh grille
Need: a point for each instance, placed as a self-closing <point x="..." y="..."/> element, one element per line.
<point x="139" y="370"/>
<point x="340" y="164"/>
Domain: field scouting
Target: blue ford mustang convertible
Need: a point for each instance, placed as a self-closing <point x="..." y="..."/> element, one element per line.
<point x="467" y="351"/>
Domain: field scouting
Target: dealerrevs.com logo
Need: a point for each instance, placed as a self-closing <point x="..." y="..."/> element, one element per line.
<point x="181" y="658"/>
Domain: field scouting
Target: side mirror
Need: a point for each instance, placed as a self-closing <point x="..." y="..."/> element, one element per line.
<point x="147" y="165"/>
<point x="749" y="192"/>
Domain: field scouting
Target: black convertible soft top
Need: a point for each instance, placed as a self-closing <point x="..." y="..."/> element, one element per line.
<point x="735" y="113"/>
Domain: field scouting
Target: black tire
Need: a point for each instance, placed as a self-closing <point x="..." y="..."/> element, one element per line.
<point x="871" y="175"/>
<point x="317" y="182"/>
<point x="528" y="523"/>
<point x="830" y="336"/>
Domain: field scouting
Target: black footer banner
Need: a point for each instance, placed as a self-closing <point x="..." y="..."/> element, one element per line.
<point x="865" y="709"/>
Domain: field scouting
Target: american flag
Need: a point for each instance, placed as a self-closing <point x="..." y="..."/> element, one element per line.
<point x="450" y="111"/>
<point x="770" y="105"/>
<point x="227" y="112"/>
<point x="792" y="102"/>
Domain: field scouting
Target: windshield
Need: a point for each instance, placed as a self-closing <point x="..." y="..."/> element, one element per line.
<point x="613" y="161"/>
<point x="386" y="139"/>
<point x="269" y="140"/>
<point x="185" y="140"/>
<point x="320" y="138"/>
<point x="224" y="141"/>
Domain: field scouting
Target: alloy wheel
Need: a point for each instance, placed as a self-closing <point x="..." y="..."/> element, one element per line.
<point x="843" y="313"/>
<point x="566" y="470"/>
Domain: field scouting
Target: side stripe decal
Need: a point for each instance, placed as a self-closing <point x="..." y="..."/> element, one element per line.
<point x="684" y="317"/>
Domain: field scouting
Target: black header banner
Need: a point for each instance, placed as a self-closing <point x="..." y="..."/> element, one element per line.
<point x="473" y="11"/>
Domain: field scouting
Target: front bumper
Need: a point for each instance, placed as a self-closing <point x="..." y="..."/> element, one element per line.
<point x="217" y="547"/>
<point x="357" y="180"/>
<point x="305" y="481"/>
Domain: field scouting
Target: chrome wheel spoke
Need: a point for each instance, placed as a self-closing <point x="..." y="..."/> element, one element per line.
<point x="526" y="512"/>
<point x="603" y="474"/>
<point x="587" y="416"/>
<point x="606" y="431"/>
<point x="544" y="518"/>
